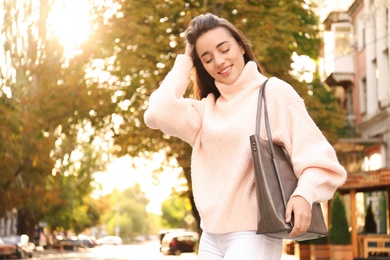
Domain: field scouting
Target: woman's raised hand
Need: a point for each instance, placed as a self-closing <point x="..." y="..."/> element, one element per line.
<point x="189" y="49"/>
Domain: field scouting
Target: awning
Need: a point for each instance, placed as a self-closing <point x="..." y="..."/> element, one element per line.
<point x="340" y="79"/>
<point x="348" y="145"/>
<point x="367" y="181"/>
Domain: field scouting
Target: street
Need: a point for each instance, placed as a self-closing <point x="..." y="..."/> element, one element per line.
<point x="144" y="251"/>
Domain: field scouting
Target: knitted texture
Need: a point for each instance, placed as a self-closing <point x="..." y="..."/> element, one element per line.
<point x="218" y="131"/>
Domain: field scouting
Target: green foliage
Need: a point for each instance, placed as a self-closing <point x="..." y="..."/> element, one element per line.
<point x="339" y="229"/>
<point x="48" y="102"/>
<point x="73" y="208"/>
<point x="147" y="35"/>
<point x="127" y="210"/>
<point x="174" y="211"/>
<point x="325" y="110"/>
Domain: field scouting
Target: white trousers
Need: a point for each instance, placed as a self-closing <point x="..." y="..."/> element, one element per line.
<point x="245" y="245"/>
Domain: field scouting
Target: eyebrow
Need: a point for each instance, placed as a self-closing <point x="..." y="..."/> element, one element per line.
<point x="218" y="45"/>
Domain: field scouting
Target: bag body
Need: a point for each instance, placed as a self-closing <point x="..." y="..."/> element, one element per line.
<point x="275" y="182"/>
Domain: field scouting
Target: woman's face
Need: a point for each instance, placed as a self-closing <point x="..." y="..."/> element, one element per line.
<point x="221" y="55"/>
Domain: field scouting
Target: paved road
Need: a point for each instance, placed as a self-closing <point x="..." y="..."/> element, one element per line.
<point x="145" y="251"/>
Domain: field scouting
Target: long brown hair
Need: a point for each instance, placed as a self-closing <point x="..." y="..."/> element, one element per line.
<point x="201" y="24"/>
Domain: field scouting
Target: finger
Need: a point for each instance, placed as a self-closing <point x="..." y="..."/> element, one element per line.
<point x="297" y="228"/>
<point x="296" y="231"/>
<point x="300" y="227"/>
<point x="189" y="49"/>
<point x="288" y="212"/>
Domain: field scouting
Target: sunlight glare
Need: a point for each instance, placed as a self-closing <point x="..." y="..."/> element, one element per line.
<point x="126" y="171"/>
<point x="303" y="68"/>
<point x="69" y="21"/>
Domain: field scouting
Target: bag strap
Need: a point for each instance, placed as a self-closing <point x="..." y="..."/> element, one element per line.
<point x="259" y="103"/>
<point x="258" y="117"/>
<point x="268" y="130"/>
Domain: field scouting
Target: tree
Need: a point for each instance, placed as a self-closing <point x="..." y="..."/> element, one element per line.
<point x="339" y="228"/>
<point x="127" y="213"/>
<point x="24" y="145"/>
<point x="148" y="36"/>
<point x="174" y="211"/>
<point x="46" y="103"/>
<point x="321" y="104"/>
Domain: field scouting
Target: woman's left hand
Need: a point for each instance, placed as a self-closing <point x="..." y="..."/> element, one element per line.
<point x="189" y="49"/>
<point x="301" y="210"/>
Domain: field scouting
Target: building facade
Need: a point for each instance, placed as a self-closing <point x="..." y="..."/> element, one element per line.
<point x="357" y="68"/>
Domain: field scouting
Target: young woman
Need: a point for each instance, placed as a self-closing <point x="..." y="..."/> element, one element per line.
<point x="218" y="123"/>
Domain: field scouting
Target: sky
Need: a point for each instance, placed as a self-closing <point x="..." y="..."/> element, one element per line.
<point x="125" y="172"/>
<point x="327" y="6"/>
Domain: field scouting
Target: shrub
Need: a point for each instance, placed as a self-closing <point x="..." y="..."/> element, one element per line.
<point x="339" y="228"/>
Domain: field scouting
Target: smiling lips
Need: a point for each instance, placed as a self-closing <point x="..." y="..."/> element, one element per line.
<point x="225" y="70"/>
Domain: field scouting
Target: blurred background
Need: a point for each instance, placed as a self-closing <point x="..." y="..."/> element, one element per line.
<point x="76" y="159"/>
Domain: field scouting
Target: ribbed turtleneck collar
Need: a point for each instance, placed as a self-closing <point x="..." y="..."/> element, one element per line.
<point x="249" y="77"/>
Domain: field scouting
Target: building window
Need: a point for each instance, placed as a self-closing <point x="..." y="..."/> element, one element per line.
<point x="363" y="95"/>
<point x="348" y="106"/>
<point x="373" y="159"/>
<point x="342" y="40"/>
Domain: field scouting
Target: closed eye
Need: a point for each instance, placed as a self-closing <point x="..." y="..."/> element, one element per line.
<point x="208" y="61"/>
<point x="222" y="51"/>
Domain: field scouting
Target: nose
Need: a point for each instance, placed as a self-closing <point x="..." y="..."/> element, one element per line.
<point x="219" y="60"/>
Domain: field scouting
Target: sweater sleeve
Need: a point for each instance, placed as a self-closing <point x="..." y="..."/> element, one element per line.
<point x="313" y="158"/>
<point x="168" y="110"/>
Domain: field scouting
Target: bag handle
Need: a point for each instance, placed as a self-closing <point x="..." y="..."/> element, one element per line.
<point x="258" y="116"/>
<point x="259" y="103"/>
<point x="267" y="128"/>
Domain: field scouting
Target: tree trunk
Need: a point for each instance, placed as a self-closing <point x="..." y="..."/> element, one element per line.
<point x="26" y="225"/>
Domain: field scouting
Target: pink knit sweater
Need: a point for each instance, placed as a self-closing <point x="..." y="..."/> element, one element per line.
<point x="218" y="131"/>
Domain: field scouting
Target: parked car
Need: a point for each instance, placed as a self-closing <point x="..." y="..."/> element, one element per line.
<point x="23" y="248"/>
<point x="175" y="243"/>
<point x="71" y="243"/>
<point x="6" y="250"/>
<point x="163" y="232"/>
<point x="87" y="241"/>
<point x="109" y="240"/>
